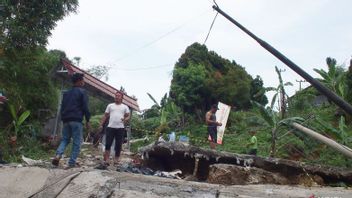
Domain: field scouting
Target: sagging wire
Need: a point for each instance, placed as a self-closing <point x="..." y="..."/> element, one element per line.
<point x="292" y="130"/>
<point x="216" y="3"/>
<point x="211" y="26"/>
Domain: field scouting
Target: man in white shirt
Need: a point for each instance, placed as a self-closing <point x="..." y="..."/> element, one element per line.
<point x="118" y="115"/>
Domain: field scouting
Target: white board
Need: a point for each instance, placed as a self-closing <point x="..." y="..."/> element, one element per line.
<point x="221" y="116"/>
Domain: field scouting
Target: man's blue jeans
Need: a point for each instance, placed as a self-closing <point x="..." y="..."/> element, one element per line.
<point x="74" y="130"/>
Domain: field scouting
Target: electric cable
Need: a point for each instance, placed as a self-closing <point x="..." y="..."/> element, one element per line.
<point x="142" y="68"/>
<point x="158" y="39"/>
<point x="211" y="27"/>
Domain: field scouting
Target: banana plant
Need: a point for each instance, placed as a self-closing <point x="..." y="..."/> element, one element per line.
<point x="18" y="121"/>
<point x="280" y="89"/>
<point x="273" y="120"/>
<point x="341" y="134"/>
<point x="334" y="77"/>
<point x="153" y="99"/>
<point x="168" y="112"/>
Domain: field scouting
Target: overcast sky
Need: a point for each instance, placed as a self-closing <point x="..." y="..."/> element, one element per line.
<point x="142" y="40"/>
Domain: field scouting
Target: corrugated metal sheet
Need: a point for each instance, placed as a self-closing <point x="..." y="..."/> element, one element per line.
<point x="97" y="86"/>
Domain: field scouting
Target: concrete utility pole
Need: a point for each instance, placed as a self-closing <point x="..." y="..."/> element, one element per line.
<point x="300" y="82"/>
<point x="338" y="147"/>
<point x="315" y="83"/>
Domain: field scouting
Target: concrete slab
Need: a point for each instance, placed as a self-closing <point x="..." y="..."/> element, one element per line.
<point x="23" y="182"/>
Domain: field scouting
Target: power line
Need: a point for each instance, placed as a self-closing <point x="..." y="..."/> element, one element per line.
<point x="159" y="38"/>
<point x="141" y="68"/>
<point x="211" y="26"/>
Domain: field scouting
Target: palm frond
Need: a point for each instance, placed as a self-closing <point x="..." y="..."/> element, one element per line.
<point x="288" y="84"/>
<point x="152" y="98"/>
<point x="273" y="100"/>
<point x="265" y="113"/>
<point x="270" y="89"/>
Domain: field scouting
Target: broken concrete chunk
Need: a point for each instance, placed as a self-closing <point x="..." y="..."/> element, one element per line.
<point x="31" y="162"/>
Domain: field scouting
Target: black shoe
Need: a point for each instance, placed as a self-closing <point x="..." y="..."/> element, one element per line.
<point x="76" y="165"/>
<point x="55" y="161"/>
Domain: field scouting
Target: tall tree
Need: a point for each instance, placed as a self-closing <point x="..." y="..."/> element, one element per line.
<point x="25" y="64"/>
<point x="202" y="77"/>
<point x="26" y="80"/>
<point x="257" y="92"/>
<point x="187" y="86"/>
<point x="29" y="23"/>
<point x="99" y="71"/>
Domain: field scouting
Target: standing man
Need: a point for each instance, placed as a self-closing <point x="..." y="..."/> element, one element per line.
<point x="74" y="106"/>
<point x="118" y="115"/>
<point x="210" y="120"/>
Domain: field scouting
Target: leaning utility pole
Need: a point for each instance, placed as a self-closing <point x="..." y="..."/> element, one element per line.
<point x="320" y="87"/>
<point x="338" y="147"/>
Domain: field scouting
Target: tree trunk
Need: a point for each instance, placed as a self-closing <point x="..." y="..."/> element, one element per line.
<point x="273" y="143"/>
<point x="283" y="104"/>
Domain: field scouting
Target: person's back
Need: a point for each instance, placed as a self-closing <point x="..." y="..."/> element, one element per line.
<point x="74" y="105"/>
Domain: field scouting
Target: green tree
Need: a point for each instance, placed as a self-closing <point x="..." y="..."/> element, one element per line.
<point x="201" y="78"/>
<point x="25" y="64"/>
<point x="257" y="92"/>
<point x="99" y="71"/>
<point x="188" y="86"/>
<point x="29" y="23"/>
<point x="25" y="76"/>
<point x="232" y="87"/>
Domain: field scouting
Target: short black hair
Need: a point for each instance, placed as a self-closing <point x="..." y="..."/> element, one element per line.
<point x="77" y="77"/>
<point x="215" y="106"/>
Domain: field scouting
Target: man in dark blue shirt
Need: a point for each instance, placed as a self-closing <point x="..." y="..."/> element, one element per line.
<point x="73" y="107"/>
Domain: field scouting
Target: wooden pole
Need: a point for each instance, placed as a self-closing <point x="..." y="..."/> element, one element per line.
<point x="338" y="147"/>
<point x="129" y="132"/>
